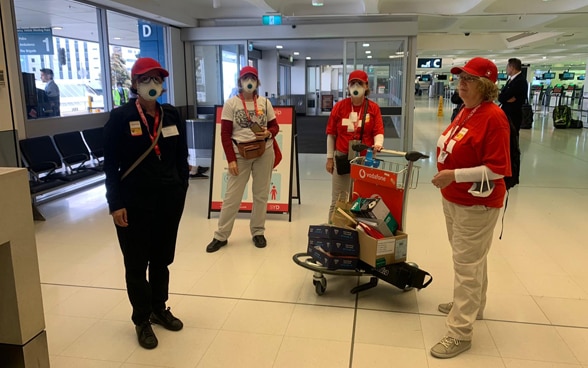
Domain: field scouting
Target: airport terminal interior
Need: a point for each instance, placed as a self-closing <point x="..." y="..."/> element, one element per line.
<point x="249" y="307"/>
<point x="244" y="306"/>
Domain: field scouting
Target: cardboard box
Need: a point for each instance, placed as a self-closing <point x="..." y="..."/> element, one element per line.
<point x="332" y="262"/>
<point x="336" y="247"/>
<point x="380" y="252"/>
<point x="376" y="209"/>
<point x="333" y="232"/>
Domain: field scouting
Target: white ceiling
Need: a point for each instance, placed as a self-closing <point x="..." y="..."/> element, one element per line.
<point x="546" y="34"/>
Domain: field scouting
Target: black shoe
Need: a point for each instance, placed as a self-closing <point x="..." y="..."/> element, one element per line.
<point x="202" y="169"/>
<point x="167" y="320"/>
<point x="259" y="241"/>
<point x="146" y="336"/>
<point x="198" y="176"/>
<point x="215" y="245"/>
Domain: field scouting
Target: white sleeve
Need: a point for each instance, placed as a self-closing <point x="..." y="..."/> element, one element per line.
<point x="330" y="145"/>
<point x="474" y="174"/>
<point x="379" y="140"/>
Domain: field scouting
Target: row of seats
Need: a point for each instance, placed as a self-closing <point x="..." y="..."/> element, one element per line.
<point x="63" y="160"/>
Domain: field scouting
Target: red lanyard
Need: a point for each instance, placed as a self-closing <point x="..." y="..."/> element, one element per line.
<point x="155" y="126"/>
<point x="459" y="126"/>
<point x="359" y="116"/>
<point x="245" y="106"/>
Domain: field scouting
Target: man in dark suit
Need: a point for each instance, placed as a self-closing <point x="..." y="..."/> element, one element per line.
<point x="514" y="93"/>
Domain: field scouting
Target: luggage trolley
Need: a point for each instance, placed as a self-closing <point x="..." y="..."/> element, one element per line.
<point x="400" y="178"/>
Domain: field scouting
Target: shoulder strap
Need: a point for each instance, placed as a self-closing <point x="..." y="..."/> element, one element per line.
<point x="363" y="119"/>
<point x="142" y="157"/>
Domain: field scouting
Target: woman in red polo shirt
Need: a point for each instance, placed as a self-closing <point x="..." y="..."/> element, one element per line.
<point x="472" y="159"/>
<point x="345" y="127"/>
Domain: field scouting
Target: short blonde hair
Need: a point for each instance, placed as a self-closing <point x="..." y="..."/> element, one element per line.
<point x="487" y="88"/>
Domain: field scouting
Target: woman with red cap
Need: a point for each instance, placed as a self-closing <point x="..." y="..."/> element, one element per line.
<point x="146" y="167"/>
<point x="346" y="127"/>
<point x="472" y="159"/>
<point x="248" y="122"/>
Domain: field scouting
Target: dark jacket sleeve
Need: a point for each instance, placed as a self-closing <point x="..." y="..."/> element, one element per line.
<point x="112" y="159"/>
<point x="517" y="88"/>
<point x="182" y="149"/>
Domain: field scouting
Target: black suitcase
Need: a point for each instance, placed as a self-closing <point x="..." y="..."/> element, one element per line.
<point x="527" y="113"/>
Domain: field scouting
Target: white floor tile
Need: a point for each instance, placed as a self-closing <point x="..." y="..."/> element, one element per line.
<point x="249" y="307"/>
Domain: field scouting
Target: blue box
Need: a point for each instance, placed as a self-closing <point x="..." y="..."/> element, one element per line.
<point x="330" y="261"/>
<point x="333" y="232"/>
<point x="335" y="247"/>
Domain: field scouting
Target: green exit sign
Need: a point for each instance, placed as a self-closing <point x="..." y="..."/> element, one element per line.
<point x="271" y="20"/>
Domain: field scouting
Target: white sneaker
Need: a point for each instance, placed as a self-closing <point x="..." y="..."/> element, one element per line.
<point x="449" y="347"/>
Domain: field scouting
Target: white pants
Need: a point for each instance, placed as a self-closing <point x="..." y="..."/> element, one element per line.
<point x="340" y="186"/>
<point x="260" y="169"/>
<point x="470" y="230"/>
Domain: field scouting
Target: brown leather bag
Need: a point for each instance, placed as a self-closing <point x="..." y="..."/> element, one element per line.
<point x="249" y="150"/>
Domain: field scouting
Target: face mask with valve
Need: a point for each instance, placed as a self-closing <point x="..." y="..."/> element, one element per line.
<point x="356" y="90"/>
<point x="150" y="90"/>
<point x="249" y="85"/>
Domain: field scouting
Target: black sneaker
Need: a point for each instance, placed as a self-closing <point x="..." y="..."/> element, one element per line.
<point x="202" y="169"/>
<point x="146" y="336"/>
<point x="215" y="245"/>
<point x="259" y="241"/>
<point x="167" y="320"/>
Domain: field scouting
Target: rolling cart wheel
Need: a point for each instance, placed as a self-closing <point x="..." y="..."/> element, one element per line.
<point x="409" y="288"/>
<point x="320" y="285"/>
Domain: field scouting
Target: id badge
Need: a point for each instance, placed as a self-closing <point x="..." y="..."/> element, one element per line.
<point x="135" y="127"/>
<point x="442" y="156"/>
<point x="169" y="131"/>
<point x="350" y="152"/>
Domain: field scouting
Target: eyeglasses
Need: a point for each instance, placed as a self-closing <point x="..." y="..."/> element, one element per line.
<point x="148" y="78"/>
<point x="467" y="78"/>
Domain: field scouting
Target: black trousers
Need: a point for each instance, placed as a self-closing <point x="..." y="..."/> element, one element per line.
<point x="148" y="246"/>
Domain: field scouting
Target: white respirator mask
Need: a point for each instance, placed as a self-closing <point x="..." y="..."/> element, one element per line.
<point x="249" y="85"/>
<point x="150" y="91"/>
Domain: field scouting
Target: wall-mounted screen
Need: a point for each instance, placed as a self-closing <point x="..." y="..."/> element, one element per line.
<point x="502" y="76"/>
<point x="434" y="63"/>
<point x="581" y="77"/>
<point x="548" y="75"/>
<point x="442" y="77"/>
<point x="567" y="76"/>
<point x="425" y="78"/>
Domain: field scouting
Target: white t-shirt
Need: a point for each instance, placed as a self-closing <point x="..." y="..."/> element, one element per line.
<point x="233" y="110"/>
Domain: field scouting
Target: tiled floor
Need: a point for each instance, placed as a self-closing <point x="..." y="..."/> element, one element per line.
<point x="249" y="307"/>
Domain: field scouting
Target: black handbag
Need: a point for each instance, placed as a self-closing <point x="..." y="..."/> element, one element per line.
<point x="343" y="164"/>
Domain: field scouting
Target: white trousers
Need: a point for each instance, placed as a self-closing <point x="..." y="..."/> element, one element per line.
<point x="470" y="230"/>
<point x="260" y="169"/>
<point x="340" y="188"/>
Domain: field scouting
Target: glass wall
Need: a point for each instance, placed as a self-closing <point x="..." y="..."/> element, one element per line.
<point x="217" y="71"/>
<point x="80" y="62"/>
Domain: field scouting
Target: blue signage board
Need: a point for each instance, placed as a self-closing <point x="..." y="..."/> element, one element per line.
<point x="433" y="63"/>
<point x="35" y="41"/>
<point x="271" y="20"/>
<point x="151" y="44"/>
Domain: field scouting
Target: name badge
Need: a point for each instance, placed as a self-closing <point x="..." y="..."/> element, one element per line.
<point x="169" y="131"/>
<point x="135" y="127"/>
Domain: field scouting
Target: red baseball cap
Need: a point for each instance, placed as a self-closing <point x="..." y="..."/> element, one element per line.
<point x="248" y="70"/>
<point x="479" y="67"/>
<point x="358" y="75"/>
<point x="145" y="65"/>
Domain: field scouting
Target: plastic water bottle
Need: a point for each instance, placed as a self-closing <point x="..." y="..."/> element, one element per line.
<point x="369" y="158"/>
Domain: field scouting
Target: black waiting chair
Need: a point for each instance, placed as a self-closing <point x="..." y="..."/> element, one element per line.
<point x="95" y="140"/>
<point x="74" y="151"/>
<point x="42" y="159"/>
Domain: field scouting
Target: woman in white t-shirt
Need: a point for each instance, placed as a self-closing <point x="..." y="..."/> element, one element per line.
<point x="248" y="120"/>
